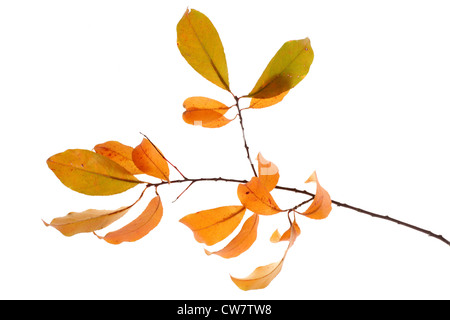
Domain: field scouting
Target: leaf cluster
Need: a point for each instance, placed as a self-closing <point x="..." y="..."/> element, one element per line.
<point x="113" y="167"/>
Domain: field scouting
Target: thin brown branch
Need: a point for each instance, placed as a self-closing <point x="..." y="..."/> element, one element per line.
<point x="312" y="195"/>
<point x="243" y="136"/>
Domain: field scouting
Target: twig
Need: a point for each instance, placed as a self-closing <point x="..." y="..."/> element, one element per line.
<point x="243" y="136"/>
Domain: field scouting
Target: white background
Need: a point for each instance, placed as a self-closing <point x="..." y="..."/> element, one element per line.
<point x="371" y="118"/>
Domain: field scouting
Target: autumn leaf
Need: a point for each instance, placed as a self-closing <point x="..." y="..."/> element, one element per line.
<point x="262" y="276"/>
<point x="206" y="112"/>
<point x="200" y="44"/>
<point x="255" y="197"/>
<point x="214" y="225"/>
<point x="277" y="237"/>
<point x="86" y="221"/>
<point x="139" y="227"/>
<point x="150" y="160"/>
<point x="256" y="103"/>
<point x="243" y="240"/>
<point x="267" y="172"/>
<point x="90" y="173"/>
<point x="119" y="153"/>
<point x="320" y="208"/>
<point x="286" y="69"/>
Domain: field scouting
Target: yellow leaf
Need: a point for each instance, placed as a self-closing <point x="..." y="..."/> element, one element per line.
<point x="267" y="172"/>
<point x="150" y="160"/>
<point x="86" y="221"/>
<point x="214" y="225"/>
<point x="262" y="276"/>
<point x="205" y="112"/>
<point x="320" y="208"/>
<point x="255" y="197"/>
<point x="256" y="103"/>
<point x="200" y="44"/>
<point x="90" y="173"/>
<point x="243" y="240"/>
<point x="286" y="69"/>
<point x="119" y="153"/>
<point x="139" y="227"/>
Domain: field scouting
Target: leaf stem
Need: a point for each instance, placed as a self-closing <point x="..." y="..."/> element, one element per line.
<point x="243" y="136"/>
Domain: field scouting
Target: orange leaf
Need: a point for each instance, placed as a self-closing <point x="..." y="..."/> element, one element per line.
<point x="243" y="240"/>
<point x="261" y="277"/>
<point x="139" y="227"/>
<point x="267" y="173"/>
<point x="214" y="225"/>
<point x="256" y="103"/>
<point x="205" y="112"/>
<point x="150" y="160"/>
<point x="119" y="153"/>
<point x="277" y="237"/>
<point x="320" y="208"/>
<point x="86" y="221"/>
<point x="255" y="197"/>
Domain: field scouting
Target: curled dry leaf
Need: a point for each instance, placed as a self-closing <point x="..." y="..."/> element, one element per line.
<point x="90" y="173"/>
<point x="214" y="225"/>
<point x="255" y="197"/>
<point x="206" y="112"/>
<point x="286" y="69"/>
<point x="86" y="221"/>
<point x="277" y="237"/>
<point x="320" y="208"/>
<point x="139" y="227"/>
<point x="200" y="44"/>
<point x="150" y="160"/>
<point x="243" y="240"/>
<point x="262" y="276"/>
<point x="267" y="172"/>
<point x="118" y="153"/>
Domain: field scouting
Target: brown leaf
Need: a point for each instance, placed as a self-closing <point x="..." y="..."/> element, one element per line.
<point x="320" y="208"/>
<point x="255" y="197"/>
<point x="277" y="237"/>
<point x="150" y="160"/>
<point x="243" y="240"/>
<point x="214" y="225"/>
<point x="262" y="276"/>
<point x="118" y="153"/>
<point x="139" y="227"/>
<point x="267" y="172"/>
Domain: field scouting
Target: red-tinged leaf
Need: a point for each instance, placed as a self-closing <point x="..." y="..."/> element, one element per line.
<point x="205" y="112"/>
<point x="214" y="225"/>
<point x="200" y="44"/>
<point x="320" y="208"/>
<point x="255" y="197"/>
<point x="90" y="173"/>
<point x="243" y="240"/>
<point x="267" y="172"/>
<point x="150" y="160"/>
<point x="139" y="227"/>
<point x="118" y="153"/>
<point x="261" y="277"/>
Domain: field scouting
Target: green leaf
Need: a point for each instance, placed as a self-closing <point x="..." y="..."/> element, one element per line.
<point x="200" y="44"/>
<point x="286" y="69"/>
<point x="90" y="173"/>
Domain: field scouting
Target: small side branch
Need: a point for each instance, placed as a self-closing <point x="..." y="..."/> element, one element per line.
<point x="243" y="136"/>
